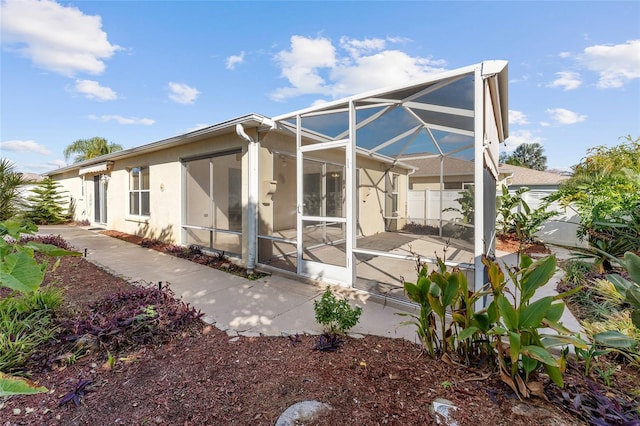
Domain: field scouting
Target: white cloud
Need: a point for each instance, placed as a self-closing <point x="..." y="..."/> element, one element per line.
<point x="316" y="66"/>
<point x="93" y="90"/>
<point x="517" y="117"/>
<point x="24" y="146"/>
<point x="234" y="60"/>
<point x="568" y="80"/>
<point x="357" y="48"/>
<point x="182" y="94"/>
<point x="123" y="120"/>
<point x="565" y="55"/>
<point x="519" y="137"/>
<point x="564" y="116"/>
<point x="57" y="38"/>
<point x="615" y="64"/>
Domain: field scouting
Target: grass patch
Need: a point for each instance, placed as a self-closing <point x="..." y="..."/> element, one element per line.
<point x="26" y="321"/>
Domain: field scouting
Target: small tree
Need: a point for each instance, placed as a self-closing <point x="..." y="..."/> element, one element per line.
<point x="529" y="155"/>
<point x="47" y="204"/>
<point x="11" y="200"/>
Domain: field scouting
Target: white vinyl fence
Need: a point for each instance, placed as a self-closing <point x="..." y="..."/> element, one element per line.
<point x="424" y="208"/>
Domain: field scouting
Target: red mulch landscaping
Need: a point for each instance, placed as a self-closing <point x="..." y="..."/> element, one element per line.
<point x="200" y="375"/>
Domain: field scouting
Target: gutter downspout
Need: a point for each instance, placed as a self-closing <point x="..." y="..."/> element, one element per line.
<point x="253" y="191"/>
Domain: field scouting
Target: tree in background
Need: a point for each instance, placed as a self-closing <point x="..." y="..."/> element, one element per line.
<point x="85" y="149"/>
<point x="46" y="205"/>
<point x="530" y="155"/>
<point x="605" y="190"/>
<point x="11" y="200"/>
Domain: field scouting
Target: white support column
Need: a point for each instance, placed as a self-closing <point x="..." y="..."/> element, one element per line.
<point x="441" y="193"/>
<point x="478" y="221"/>
<point x="352" y="220"/>
<point x="299" y="197"/>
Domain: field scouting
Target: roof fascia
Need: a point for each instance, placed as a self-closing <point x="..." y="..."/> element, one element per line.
<point x="255" y="120"/>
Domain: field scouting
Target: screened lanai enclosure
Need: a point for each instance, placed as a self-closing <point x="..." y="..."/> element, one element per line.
<point x="333" y="205"/>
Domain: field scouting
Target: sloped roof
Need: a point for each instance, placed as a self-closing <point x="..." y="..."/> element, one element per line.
<point x="524" y="176"/>
<point x="31" y="177"/>
<point x="521" y="176"/>
<point x="249" y="120"/>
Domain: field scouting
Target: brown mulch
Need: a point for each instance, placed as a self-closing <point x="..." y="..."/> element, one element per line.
<point x="511" y="244"/>
<point x="193" y="253"/>
<point x="203" y="376"/>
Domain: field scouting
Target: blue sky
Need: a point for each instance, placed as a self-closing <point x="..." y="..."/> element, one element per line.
<point x="138" y="72"/>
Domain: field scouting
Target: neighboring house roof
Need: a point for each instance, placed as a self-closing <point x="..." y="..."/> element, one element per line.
<point x="522" y="176"/>
<point x="515" y="175"/>
<point x="31" y="177"/>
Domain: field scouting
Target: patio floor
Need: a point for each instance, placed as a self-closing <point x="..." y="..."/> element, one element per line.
<point x="379" y="274"/>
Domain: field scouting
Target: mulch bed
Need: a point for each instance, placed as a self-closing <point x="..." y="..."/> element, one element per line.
<point x="203" y="376"/>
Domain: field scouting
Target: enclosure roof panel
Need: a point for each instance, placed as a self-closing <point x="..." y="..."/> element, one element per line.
<point x="420" y="117"/>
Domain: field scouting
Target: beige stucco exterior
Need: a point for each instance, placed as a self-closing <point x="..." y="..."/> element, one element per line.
<point x="169" y="182"/>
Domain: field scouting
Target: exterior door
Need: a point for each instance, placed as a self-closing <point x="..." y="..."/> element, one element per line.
<point x="100" y="198"/>
<point x="322" y="220"/>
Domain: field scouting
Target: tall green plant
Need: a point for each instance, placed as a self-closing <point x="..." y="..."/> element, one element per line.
<point x="85" y="149"/>
<point x="520" y="320"/>
<point x="518" y="218"/>
<point x="11" y="181"/>
<point x="508" y="330"/>
<point x="425" y="323"/>
<point x="467" y="203"/>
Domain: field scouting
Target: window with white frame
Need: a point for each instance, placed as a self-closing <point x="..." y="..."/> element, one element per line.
<point x="139" y="191"/>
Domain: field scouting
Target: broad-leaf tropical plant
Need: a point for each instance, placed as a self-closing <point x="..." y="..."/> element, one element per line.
<point x="22" y="273"/>
<point x="520" y="320"/>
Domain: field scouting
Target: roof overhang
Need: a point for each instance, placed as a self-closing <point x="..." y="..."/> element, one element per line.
<point x="248" y="121"/>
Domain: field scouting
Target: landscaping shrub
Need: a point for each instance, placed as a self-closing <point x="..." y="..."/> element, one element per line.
<point x="335" y="315"/>
<point x="138" y="316"/>
<point x="25" y="315"/>
<point x="508" y="331"/>
<point x="605" y="190"/>
<point x="575" y="271"/>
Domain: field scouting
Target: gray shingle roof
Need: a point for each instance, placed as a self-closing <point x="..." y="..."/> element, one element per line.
<point x="456" y="166"/>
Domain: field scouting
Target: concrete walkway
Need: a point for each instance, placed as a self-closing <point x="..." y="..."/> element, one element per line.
<point x="271" y="306"/>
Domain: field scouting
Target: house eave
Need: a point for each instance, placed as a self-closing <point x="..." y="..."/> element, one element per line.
<point x="249" y="120"/>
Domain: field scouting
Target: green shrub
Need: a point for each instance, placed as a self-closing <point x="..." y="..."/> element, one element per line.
<point x="26" y="322"/>
<point x="575" y="271"/>
<point x="335" y="315"/>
